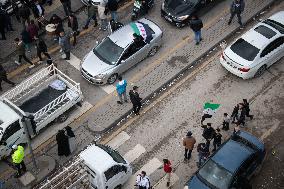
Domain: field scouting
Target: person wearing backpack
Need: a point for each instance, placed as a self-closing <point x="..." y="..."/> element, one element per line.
<point x="196" y="24"/>
<point x="143" y="181"/>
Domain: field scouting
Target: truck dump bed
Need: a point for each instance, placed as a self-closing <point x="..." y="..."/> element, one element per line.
<point x="36" y="96"/>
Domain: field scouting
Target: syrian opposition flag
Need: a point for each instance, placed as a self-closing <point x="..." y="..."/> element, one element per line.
<point x="142" y="29"/>
<point x="210" y="108"/>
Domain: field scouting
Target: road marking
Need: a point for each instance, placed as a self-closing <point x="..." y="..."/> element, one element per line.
<point x="186" y="187"/>
<point x="163" y="182"/>
<point x="74" y="61"/>
<point x="149" y="168"/>
<point x="133" y="154"/>
<point x="108" y="88"/>
<point x="269" y="131"/>
<point x="118" y="140"/>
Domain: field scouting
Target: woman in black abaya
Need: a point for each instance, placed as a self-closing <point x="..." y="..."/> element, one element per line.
<point x="62" y="143"/>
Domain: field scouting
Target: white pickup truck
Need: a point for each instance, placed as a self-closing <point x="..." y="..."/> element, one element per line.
<point x="34" y="103"/>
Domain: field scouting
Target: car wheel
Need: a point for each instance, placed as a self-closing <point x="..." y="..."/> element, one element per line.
<point x="62" y="118"/>
<point x="153" y="51"/>
<point x="260" y="71"/>
<point x="112" y="78"/>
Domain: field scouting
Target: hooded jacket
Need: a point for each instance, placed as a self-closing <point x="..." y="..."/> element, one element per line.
<point x="18" y="155"/>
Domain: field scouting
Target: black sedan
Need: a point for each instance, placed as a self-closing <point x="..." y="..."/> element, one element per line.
<point x="178" y="12"/>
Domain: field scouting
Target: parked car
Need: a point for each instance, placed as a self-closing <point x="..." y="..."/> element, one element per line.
<point x="117" y="53"/>
<point x="232" y="165"/>
<point x="178" y="12"/>
<point x="256" y="50"/>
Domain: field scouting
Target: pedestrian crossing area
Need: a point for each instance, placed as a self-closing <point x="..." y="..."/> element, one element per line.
<point x="150" y="167"/>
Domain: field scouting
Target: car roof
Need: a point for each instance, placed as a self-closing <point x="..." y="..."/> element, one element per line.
<point x="231" y="155"/>
<point x="252" y="139"/>
<point x="278" y="17"/>
<point x="124" y="36"/>
<point x="7" y="116"/>
<point x="97" y="159"/>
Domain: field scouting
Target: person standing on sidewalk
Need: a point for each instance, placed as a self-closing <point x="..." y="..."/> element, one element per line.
<point x="67" y="7"/>
<point x="235" y="113"/>
<point x="71" y="139"/>
<point x="143" y="181"/>
<point x="27" y="40"/>
<point x="22" y="53"/>
<point x="188" y="143"/>
<point x="242" y="116"/>
<point x="196" y="24"/>
<point x="226" y="122"/>
<point x="92" y="15"/>
<point x="25" y="13"/>
<point x="168" y="170"/>
<point x="112" y="6"/>
<point x="63" y="148"/>
<point x="33" y="30"/>
<point x="73" y="24"/>
<point x="237" y="7"/>
<point x="102" y="14"/>
<point x="217" y="139"/>
<point x="203" y="153"/>
<point x="121" y="89"/>
<point x="208" y="133"/>
<point x="18" y="155"/>
<point x="41" y="48"/>
<point x="2" y="24"/>
<point x="3" y="77"/>
<point x="64" y="42"/>
<point x="135" y="99"/>
<point x="246" y="106"/>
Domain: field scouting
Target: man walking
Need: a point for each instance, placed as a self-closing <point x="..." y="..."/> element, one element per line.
<point x="92" y="15"/>
<point x="246" y="106"/>
<point x="102" y="14"/>
<point x="3" y="77"/>
<point x="112" y="6"/>
<point x="142" y="181"/>
<point x="196" y="24"/>
<point x="203" y="153"/>
<point x="188" y="143"/>
<point x="226" y="122"/>
<point x="217" y="139"/>
<point x="121" y="89"/>
<point x="18" y="155"/>
<point x="64" y="42"/>
<point x="135" y="99"/>
<point x="208" y="133"/>
<point x="66" y="6"/>
<point x="22" y="53"/>
<point x="237" y="7"/>
<point x="73" y="24"/>
<point x="41" y="48"/>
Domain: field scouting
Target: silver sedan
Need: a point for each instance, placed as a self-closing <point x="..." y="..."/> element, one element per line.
<point x="118" y="52"/>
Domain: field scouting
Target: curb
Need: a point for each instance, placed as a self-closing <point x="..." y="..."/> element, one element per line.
<point x="185" y="69"/>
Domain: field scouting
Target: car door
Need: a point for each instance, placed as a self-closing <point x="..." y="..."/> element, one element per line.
<point x="272" y="52"/>
<point x="12" y="135"/>
<point x="115" y="176"/>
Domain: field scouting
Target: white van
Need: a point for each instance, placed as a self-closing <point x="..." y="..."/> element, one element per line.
<point x="106" y="168"/>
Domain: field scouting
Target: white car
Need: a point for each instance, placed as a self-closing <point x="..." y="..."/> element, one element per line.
<point x="251" y="54"/>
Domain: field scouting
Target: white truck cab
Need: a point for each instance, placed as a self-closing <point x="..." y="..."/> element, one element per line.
<point x="106" y="168"/>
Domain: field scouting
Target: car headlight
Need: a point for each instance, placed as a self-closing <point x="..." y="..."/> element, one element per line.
<point x="100" y="76"/>
<point x="163" y="6"/>
<point x="183" y="17"/>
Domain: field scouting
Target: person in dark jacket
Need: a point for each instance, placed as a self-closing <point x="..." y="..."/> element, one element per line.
<point x="66" y="6"/>
<point x="57" y="21"/>
<point x="226" y="122"/>
<point x="246" y="105"/>
<point x="22" y="52"/>
<point x="243" y="114"/>
<point x="63" y="148"/>
<point x="208" y="133"/>
<point x="64" y="41"/>
<point x="135" y="99"/>
<point x="235" y="113"/>
<point x="112" y="6"/>
<point x="196" y="24"/>
<point x="3" y="77"/>
<point x="24" y="13"/>
<point x="2" y="24"/>
<point x="8" y="22"/>
<point x="26" y="38"/>
<point x="38" y="12"/>
<point x="203" y="153"/>
<point x="41" y="48"/>
<point x="237" y="7"/>
<point x="92" y="15"/>
<point x="33" y="30"/>
<point x="73" y="24"/>
<point x="217" y="139"/>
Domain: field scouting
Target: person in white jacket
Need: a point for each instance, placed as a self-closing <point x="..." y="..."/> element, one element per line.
<point x="142" y="181"/>
<point x="102" y="14"/>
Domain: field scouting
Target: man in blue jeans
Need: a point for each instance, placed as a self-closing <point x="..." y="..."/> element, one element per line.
<point x="121" y="90"/>
<point x="92" y="15"/>
<point x="196" y="24"/>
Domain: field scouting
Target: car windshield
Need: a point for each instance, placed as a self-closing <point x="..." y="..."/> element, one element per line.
<point x="108" y="51"/>
<point x="244" y="49"/>
<point x="215" y="175"/>
<point x="114" y="154"/>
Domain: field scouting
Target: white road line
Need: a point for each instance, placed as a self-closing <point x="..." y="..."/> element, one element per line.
<point x="133" y="154"/>
<point x="163" y="182"/>
<point x="108" y="88"/>
<point x="74" y="61"/>
<point x="118" y="140"/>
<point x="269" y="131"/>
<point x="186" y="187"/>
<point x="149" y="168"/>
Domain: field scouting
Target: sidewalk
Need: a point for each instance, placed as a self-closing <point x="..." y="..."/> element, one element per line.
<point x="7" y="54"/>
<point x="111" y="114"/>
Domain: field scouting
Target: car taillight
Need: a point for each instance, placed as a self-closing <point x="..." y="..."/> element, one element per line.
<point x="244" y="69"/>
<point x="222" y="55"/>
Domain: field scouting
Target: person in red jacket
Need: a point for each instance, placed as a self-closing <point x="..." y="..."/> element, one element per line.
<point x="168" y="170"/>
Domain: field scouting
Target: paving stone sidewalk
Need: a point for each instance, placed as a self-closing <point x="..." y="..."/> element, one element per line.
<point x="111" y="113"/>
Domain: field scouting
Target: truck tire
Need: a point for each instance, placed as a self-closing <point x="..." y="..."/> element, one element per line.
<point x="62" y="118"/>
